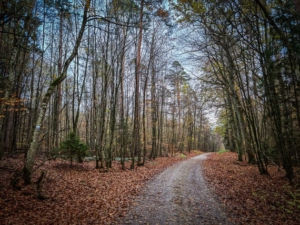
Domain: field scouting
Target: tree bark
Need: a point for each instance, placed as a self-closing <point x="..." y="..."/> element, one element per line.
<point x="136" y="123"/>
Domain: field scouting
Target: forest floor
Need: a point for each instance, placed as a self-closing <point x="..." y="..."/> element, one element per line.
<point x="77" y="194"/>
<point x="250" y="198"/>
<point x="81" y="194"/>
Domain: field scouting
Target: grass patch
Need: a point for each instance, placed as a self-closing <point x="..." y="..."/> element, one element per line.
<point x="222" y="151"/>
<point x="182" y="156"/>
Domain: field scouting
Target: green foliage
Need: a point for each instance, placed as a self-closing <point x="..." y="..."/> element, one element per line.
<point x="73" y="147"/>
<point x="222" y="124"/>
<point x="222" y="151"/>
<point x="221" y="130"/>
<point x="188" y="10"/>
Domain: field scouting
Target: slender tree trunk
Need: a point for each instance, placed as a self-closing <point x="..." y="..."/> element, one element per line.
<point x="29" y="161"/>
<point x="136" y="122"/>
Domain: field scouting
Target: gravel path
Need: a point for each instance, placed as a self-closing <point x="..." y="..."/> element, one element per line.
<point x="178" y="195"/>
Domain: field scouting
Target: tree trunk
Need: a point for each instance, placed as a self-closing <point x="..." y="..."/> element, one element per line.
<point x="29" y="161"/>
<point x="136" y="123"/>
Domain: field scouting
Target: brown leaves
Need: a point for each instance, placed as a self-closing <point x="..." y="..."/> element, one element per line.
<point x="162" y="13"/>
<point x="251" y="198"/>
<point x="77" y="194"/>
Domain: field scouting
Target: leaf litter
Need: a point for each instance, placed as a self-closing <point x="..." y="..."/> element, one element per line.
<point x="77" y="194"/>
<point x="251" y="198"/>
<point x="80" y="194"/>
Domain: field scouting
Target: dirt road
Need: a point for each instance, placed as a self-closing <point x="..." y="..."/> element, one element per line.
<point x="178" y="195"/>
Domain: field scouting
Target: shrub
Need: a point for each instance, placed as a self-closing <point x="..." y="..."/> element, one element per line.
<point x="73" y="147"/>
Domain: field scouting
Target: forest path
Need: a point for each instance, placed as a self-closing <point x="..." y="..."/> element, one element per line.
<point x="178" y="195"/>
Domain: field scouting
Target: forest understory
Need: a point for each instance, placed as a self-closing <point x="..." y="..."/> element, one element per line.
<point x="81" y="194"/>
